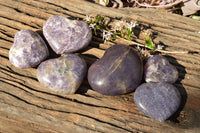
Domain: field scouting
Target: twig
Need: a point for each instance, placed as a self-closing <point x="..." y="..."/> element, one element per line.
<point x="171" y="52"/>
<point x="120" y="3"/>
<point x="114" y="4"/>
<point x="160" y="6"/>
<point x="159" y="50"/>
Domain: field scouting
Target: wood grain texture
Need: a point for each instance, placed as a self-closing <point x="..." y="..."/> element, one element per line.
<point x="27" y="106"/>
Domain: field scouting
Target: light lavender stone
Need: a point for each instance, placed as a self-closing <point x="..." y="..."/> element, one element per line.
<point x="65" y="35"/>
<point x="28" y="50"/>
<point x="63" y="74"/>
<point x="158" y="69"/>
<point x="157" y="100"/>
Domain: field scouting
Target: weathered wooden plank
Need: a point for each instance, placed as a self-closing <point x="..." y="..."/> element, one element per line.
<point x="26" y="105"/>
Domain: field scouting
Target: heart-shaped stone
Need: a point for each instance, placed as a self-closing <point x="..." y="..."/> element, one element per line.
<point x="157" y="100"/>
<point x="63" y="74"/>
<point x="28" y="50"/>
<point x="65" y="35"/>
<point x="158" y="69"/>
<point x="118" y="72"/>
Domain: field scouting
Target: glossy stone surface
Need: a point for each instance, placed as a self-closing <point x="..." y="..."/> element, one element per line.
<point x="157" y="100"/>
<point x="65" y="35"/>
<point x="28" y="50"/>
<point x="158" y="69"/>
<point x="63" y="74"/>
<point x="119" y="71"/>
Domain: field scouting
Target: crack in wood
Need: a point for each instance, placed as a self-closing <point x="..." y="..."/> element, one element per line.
<point x="1" y="38"/>
<point x="28" y="92"/>
<point x="6" y="34"/>
<point x="194" y="86"/>
<point x="66" y="9"/>
<point x="3" y="55"/>
<point x="4" y="48"/>
<point x="18" y="21"/>
<point x="11" y="27"/>
<point x="56" y="6"/>
<point x="10" y="70"/>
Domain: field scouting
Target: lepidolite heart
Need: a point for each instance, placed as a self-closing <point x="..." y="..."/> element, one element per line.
<point x="157" y="100"/>
<point x="65" y="35"/>
<point x="63" y="74"/>
<point x="118" y="72"/>
<point x="158" y="69"/>
<point x="28" y="50"/>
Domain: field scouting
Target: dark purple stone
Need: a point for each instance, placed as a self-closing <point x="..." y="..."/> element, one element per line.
<point x="119" y="71"/>
<point x="158" y="69"/>
<point x="66" y="36"/>
<point x="157" y="100"/>
<point x="28" y="50"/>
<point x="63" y="74"/>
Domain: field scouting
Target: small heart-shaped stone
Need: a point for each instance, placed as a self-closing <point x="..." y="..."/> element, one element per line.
<point x="158" y="69"/>
<point x="28" y="50"/>
<point x="63" y="74"/>
<point x="157" y="100"/>
<point x="66" y="36"/>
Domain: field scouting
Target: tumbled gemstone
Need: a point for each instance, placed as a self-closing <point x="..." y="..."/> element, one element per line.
<point x="65" y="35"/>
<point x="28" y="50"/>
<point x="119" y="71"/>
<point x="158" y="69"/>
<point x="157" y="100"/>
<point x="63" y="74"/>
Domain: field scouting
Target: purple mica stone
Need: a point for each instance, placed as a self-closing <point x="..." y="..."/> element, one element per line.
<point x="28" y="50"/>
<point x="119" y="71"/>
<point x="63" y="74"/>
<point x="157" y="100"/>
<point x="66" y="36"/>
<point x="158" y="69"/>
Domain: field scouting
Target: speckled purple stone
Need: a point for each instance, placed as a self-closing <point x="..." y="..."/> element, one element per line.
<point x="66" y="36"/>
<point x="63" y="74"/>
<point x="158" y="69"/>
<point x="28" y="50"/>
<point x="118" y="72"/>
<point x="157" y="100"/>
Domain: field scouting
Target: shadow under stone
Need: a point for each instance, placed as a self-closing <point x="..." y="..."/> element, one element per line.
<point x="52" y="54"/>
<point x="181" y="70"/>
<point x="82" y="89"/>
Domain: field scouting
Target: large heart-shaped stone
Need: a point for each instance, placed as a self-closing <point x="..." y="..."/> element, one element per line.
<point x="28" y="50"/>
<point x="65" y="35"/>
<point x="118" y="72"/>
<point x="63" y="74"/>
<point x="157" y="100"/>
<point x="158" y="69"/>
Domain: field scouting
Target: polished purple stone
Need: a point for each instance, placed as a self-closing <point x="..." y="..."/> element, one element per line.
<point x="28" y="50"/>
<point x="65" y="35"/>
<point x="158" y="69"/>
<point x="157" y="100"/>
<point x="119" y="71"/>
<point x="63" y="74"/>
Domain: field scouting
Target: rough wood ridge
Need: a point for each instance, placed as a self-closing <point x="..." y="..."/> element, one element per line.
<point x="27" y="106"/>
